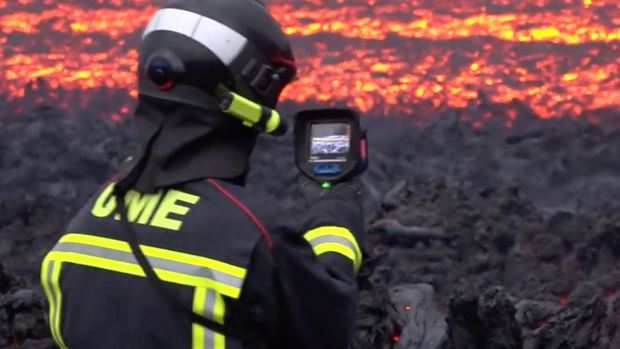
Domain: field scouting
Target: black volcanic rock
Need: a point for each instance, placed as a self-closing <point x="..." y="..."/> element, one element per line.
<point x="480" y="237"/>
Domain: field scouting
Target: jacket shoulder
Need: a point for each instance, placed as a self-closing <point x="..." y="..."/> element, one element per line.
<point x="264" y="208"/>
<point x="200" y="218"/>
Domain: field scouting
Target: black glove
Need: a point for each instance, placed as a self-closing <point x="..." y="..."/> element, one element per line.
<point x="311" y="190"/>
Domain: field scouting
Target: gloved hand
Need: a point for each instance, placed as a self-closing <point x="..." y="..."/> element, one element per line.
<point x="311" y="190"/>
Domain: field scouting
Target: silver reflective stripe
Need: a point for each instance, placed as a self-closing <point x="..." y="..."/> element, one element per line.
<point x="209" y="336"/>
<point x="157" y="263"/>
<point x="334" y="239"/>
<point x="223" y="41"/>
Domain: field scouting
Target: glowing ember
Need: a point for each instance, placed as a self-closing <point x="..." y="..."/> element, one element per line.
<point x="562" y="300"/>
<point x="557" y="56"/>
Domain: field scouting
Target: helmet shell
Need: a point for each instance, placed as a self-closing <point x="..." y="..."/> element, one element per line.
<point x="190" y="47"/>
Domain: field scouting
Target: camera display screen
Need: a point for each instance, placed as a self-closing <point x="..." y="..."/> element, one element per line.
<point x="330" y="139"/>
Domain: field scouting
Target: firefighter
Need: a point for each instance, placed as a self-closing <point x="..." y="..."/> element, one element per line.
<point x="175" y="252"/>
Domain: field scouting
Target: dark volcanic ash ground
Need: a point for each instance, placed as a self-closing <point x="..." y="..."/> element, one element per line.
<point x="481" y="238"/>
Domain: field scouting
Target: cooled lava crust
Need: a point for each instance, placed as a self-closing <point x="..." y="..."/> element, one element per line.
<point x="479" y="235"/>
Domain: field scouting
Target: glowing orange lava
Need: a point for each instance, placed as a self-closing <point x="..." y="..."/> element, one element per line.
<point x="385" y="56"/>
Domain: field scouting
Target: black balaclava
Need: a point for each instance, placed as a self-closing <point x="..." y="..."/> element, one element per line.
<point x="182" y="143"/>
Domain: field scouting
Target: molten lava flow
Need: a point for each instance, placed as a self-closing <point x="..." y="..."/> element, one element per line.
<point x="384" y="55"/>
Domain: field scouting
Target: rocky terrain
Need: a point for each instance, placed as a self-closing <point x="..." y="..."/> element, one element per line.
<point x="485" y="237"/>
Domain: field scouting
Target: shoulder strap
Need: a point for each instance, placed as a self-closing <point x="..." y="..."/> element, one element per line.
<point x="158" y="284"/>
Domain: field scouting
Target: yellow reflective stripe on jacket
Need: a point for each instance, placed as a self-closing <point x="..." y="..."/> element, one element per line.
<point x="210" y="278"/>
<point x="209" y="304"/>
<point x="336" y="240"/>
<point x="170" y="266"/>
<point x="50" y="278"/>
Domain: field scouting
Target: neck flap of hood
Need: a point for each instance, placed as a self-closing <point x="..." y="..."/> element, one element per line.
<point x="182" y="143"/>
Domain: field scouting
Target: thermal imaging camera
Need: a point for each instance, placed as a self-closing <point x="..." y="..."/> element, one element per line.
<point x="330" y="145"/>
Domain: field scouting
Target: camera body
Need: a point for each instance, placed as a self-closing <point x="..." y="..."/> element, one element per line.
<point x="330" y="144"/>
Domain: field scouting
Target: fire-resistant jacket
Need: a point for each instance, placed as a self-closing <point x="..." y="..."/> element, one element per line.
<point x="225" y="251"/>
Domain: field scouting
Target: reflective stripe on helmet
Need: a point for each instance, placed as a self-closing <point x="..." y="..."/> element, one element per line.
<point x="223" y="41"/>
<point x="335" y="240"/>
